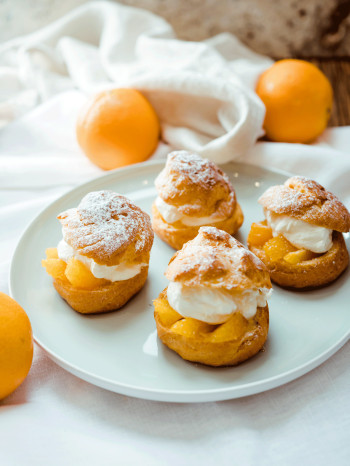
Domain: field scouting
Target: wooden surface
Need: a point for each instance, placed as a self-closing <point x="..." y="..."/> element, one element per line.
<point x="338" y="72"/>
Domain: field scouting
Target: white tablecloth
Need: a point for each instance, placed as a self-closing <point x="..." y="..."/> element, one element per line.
<point x="54" y="418"/>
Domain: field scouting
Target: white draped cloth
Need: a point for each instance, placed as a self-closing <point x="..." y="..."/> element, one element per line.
<point x="203" y="94"/>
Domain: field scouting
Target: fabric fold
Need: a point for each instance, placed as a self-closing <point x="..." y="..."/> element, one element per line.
<point x="209" y="105"/>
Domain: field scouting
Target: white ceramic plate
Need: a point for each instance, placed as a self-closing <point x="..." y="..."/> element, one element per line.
<point x="120" y="351"/>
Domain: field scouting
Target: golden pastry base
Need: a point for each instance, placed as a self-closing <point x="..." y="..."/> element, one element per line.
<point x="313" y="273"/>
<point x="104" y="299"/>
<point x="176" y="235"/>
<point x="227" y="344"/>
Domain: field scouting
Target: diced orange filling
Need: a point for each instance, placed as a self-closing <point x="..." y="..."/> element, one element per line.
<point x="167" y="315"/>
<point x="234" y="328"/>
<point x="81" y="277"/>
<point x="300" y="255"/>
<point x="193" y="328"/>
<point x="259" y="234"/>
<point x="55" y="267"/>
<point x="74" y="271"/>
<point x="278" y="247"/>
<point x="189" y="327"/>
<point x="51" y="253"/>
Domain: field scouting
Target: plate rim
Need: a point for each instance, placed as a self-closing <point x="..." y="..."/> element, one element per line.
<point x="165" y="395"/>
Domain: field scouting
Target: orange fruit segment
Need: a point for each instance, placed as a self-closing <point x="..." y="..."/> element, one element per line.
<point x="277" y="248"/>
<point x="230" y="330"/>
<point x="189" y="327"/>
<point x="81" y="277"/>
<point x="118" y="127"/>
<point x="16" y="345"/>
<point x="300" y="255"/>
<point x="259" y="234"/>
<point x="74" y="271"/>
<point x="55" y="267"/>
<point x="167" y="315"/>
<point x="298" y="100"/>
<point x="51" y="253"/>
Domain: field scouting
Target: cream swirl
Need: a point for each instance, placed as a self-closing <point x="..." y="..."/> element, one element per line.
<point x="214" y="306"/>
<point x="301" y="234"/>
<point x="171" y="214"/>
<point x="112" y="273"/>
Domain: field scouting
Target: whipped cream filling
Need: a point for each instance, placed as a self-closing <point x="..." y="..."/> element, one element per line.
<point x="113" y="273"/>
<point x="214" y="306"/>
<point x="301" y="234"/>
<point x="171" y="214"/>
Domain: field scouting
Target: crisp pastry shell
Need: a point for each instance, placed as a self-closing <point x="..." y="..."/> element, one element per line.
<point x="307" y="200"/>
<point x="196" y="186"/>
<point x="104" y="299"/>
<point x="313" y="273"/>
<point x="223" y="353"/>
<point x="108" y="228"/>
<point x="177" y="236"/>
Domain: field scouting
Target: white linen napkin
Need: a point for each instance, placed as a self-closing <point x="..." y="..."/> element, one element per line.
<point x="202" y="92"/>
<point x="196" y="88"/>
<point x="54" y="418"/>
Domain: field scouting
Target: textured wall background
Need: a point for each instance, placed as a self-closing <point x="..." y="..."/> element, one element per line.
<point x="278" y="28"/>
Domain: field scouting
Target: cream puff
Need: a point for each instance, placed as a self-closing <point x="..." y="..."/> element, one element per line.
<point x="214" y="310"/>
<point x="193" y="192"/>
<point x="301" y="240"/>
<point x="102" y="260"/>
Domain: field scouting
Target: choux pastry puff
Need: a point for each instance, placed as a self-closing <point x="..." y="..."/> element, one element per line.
<point x="301" y="241"/>
<point x="193" y="192"/>
<point x="214" y="310"/>
<point x="102" y="260"/>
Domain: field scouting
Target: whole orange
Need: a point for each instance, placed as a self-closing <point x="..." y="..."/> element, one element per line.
<point x="118" y="127"/>
<point x="298" y="100"/>
<point x="16" y="345"/>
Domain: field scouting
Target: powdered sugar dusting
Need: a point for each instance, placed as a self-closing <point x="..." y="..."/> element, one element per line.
<point x="303" y="184"/>
<point x="228" y="249"/>
<point x="281" y="199"/>
<point x="307" y="200"/>
<point x="190" y="167"/>
<point x="105" y="221"/>
<point x="215" y="258"/>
